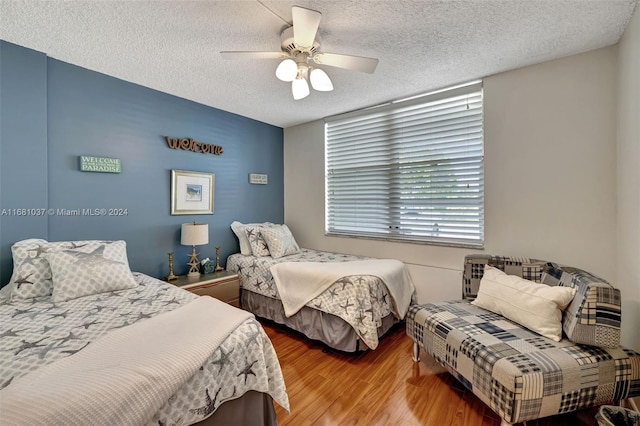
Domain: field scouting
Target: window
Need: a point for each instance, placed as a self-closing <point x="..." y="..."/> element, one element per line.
<point x="409" y="170"/>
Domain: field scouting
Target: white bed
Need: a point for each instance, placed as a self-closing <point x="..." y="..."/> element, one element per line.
<point x="235" y="384"/>
<point x="350" y="315"/>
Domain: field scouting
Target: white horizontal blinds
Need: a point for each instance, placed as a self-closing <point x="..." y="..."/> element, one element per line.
<point x="409" y="170"/>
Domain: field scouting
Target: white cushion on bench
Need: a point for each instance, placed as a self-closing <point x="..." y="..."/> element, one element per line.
<point x="536" y="306"/>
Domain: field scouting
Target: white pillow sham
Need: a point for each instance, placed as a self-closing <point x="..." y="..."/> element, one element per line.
<point x="538" y="307"/>
<point x="280" y="241"/>
<point x="92" y="268"/>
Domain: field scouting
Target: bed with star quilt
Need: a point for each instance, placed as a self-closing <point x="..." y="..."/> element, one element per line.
<point x="229" y="381"/>
<point x="352" y="312"/>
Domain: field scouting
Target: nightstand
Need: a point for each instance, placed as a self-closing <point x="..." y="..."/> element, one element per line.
<point x="223" y="285"/>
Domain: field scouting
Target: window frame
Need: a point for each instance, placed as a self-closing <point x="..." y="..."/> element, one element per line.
<point x="396" y="203"/>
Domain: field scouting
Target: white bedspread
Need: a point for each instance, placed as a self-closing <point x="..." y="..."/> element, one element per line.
<point x="300" y="282"/>
<point x="124" y="377"/>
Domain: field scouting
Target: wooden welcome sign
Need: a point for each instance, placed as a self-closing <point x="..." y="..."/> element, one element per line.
<point x="195" y="146"/>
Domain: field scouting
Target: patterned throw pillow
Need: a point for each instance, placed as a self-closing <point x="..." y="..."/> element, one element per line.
<point x="95" y="267"/>
<point x="280" y="241"/>
<point x="259" y="247"/>
<point x="239" y="229"/>
<point x="31" y="274"/>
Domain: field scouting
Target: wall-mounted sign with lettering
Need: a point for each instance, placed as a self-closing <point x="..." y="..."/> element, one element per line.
<point x="100" y="164"/>
<point x="258" y="179"/>
<point x="195" y="146"/>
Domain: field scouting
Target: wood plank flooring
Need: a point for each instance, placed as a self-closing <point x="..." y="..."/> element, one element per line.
<point x="381" y="387"/>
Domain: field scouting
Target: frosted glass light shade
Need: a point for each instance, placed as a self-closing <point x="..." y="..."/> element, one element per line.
<point x="320" y="81"/>
<point x="194" y="234"/>
<point x="299" y="88"/>
<point x="287" y="70"/>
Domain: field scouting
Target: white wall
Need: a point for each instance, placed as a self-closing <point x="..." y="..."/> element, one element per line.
<point x="550" y="176"/>
<point x="550" y="161"/>
<point x="628" y="241"/>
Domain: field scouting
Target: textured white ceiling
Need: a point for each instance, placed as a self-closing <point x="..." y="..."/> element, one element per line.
<point x="173" y="46"/>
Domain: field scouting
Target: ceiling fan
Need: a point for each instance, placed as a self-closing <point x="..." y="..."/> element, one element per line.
<point x="300" y="46"/>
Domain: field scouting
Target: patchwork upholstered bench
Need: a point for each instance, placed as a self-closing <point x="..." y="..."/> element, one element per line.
<point x="518" y="373"/>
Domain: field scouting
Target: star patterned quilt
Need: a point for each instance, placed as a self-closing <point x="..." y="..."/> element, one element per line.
<point x="361" y="300"/>
<point x="35" y="332"/>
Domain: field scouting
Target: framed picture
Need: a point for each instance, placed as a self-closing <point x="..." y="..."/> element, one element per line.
<point x="192" y="192"/>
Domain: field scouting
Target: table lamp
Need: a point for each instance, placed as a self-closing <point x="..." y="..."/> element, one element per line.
<point x="194" y="234"/>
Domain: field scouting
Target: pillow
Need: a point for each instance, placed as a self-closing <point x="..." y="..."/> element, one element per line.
<point x="239" y="229"/>
<point x="92" y="268"/>
<point x="259" y="247"/>
<point x="536" y="306"/>
<point x="280" y="241"/>
<point x="31" y="275"/>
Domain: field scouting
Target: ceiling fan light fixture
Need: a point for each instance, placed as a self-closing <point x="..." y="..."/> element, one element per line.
<point x="320" y="81"/>
<point x="299" y="88"/>
<point x="287" y="70"/>
<point x="299" y="44"/>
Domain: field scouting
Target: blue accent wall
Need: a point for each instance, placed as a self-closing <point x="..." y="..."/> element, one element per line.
<point x="23" y="146"/>
<point x="52" y="112"/>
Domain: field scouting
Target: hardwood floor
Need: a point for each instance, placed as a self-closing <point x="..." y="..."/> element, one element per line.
<point x="381" y="387"/>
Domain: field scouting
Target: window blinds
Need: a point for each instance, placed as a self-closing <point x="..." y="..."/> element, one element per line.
<point x="410" y="170"/>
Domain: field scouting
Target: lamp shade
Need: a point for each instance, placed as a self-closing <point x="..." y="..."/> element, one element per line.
<point x="194" y="234"/>
<point x="320" y="81"/>
<point x="299" y="88"/>
<point x="287" y="70"/>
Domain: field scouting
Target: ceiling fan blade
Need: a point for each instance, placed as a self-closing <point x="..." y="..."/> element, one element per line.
<point x="229" y="54"/>
<point x="349" y="62"/>
<point x="305" y="26"/>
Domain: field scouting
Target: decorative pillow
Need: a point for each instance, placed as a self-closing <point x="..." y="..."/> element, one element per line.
<point x="280" y="241"/>
<point x="239" y="229"/>
<point x="259" y="247"/>
<point x="536" y="306"/>
<point x="92" y="268"/>
<point x="34" y="277"/>
<point x="31" y="274"/>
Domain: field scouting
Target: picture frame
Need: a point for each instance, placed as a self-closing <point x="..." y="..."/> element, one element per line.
<point x="192" y="192"/>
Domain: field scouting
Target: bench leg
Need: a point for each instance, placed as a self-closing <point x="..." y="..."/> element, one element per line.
<point x="416" y="352"/>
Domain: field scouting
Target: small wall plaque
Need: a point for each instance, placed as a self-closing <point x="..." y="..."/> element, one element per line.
<point x="100" y="164"/>
<point x="258" y="179"/>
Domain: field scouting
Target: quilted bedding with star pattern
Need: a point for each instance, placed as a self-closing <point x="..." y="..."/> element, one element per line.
<point x="36" y="332"/>
<point x="361" y="301"/>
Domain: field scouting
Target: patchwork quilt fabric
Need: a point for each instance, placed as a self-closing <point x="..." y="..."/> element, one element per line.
<point x="361" y="301"/>
<point x="592" y="318"/>
<point x="36" y="332"/>
<point x="518" y="373"/>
